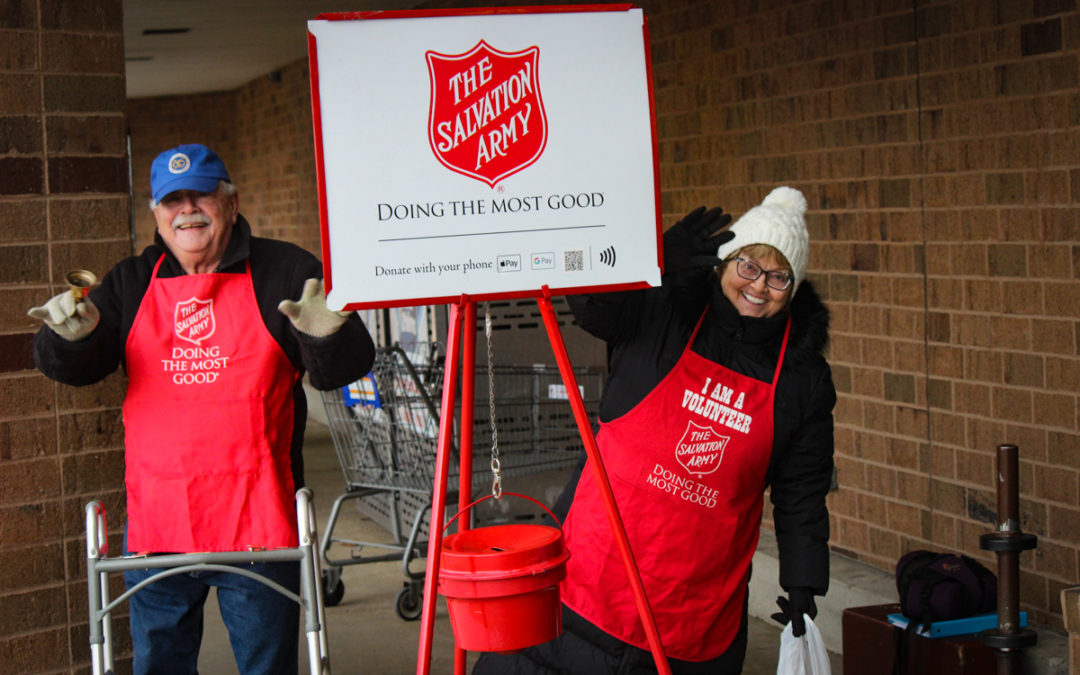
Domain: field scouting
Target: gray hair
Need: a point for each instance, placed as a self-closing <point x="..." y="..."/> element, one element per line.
<point x="224" y="188"/>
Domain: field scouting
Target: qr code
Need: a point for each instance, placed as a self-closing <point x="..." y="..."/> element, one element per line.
<point x="573" y="261"/>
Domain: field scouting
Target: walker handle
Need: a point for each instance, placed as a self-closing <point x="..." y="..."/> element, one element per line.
<point x="512" y="494"/>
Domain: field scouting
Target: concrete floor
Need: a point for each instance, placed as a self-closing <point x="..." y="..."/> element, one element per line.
<point x="364" y="632"/>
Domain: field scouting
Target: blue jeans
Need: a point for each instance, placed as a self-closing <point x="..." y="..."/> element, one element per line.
<point x="264" y="625"/>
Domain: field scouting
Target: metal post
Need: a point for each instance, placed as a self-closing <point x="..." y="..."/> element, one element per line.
<point x="1009" y="639"/>
<point x="438" y="498"/>
<point x="465" y="456"/>
<point x="618" y="531"/>
<point x="95" y="582"/>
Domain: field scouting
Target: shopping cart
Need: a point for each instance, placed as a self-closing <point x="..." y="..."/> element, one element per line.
<point x="385" y="433"/>
<point x="98" y="569"/>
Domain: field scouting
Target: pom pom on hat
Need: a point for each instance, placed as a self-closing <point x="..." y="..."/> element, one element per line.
<point x="778" y="221"/>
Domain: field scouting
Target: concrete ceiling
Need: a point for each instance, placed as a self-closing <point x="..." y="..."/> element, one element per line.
<point x="226" y="42"/>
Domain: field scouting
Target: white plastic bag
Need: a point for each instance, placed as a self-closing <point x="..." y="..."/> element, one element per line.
<point x="804" y="655"/>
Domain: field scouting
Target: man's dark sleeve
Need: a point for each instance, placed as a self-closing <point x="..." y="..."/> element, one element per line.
<point x="340" y="358"/>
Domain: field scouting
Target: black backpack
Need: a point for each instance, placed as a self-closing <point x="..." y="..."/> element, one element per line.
<point x="943" y="586"/>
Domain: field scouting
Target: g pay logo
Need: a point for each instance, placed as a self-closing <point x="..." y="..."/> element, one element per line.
<point x="542" y="261"/>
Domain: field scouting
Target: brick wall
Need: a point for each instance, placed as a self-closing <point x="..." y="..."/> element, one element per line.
<point x="938" y="150"/>
<point x="938" y="145"/>
<point x="63" y="204"/>
<point x="276" y="157"/>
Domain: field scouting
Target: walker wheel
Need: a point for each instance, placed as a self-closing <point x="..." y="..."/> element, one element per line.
<point x="407" y="603"/>
<point x="332" y="592"/>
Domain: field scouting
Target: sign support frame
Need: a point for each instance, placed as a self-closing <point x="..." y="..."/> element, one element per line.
<point x="465" y="362"/>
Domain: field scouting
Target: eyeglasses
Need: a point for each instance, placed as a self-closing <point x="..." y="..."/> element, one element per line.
<point x="774" y="279"/>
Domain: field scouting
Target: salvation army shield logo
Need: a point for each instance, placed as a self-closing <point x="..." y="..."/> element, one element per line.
<point x="487" y="118"/>
<point x="194" y="320"/>
<point x="701" y="449"/>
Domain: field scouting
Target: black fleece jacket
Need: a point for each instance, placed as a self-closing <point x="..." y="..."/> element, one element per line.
<point x="278" y="272"/>
<point x="646" y="332"/>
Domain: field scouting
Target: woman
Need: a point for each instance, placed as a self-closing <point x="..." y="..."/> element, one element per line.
<point x="718" y="390"/>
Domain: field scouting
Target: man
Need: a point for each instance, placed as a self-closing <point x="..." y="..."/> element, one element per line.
<point x="214" y="347"/>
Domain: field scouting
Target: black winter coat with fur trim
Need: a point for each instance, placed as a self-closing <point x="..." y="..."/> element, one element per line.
<point x="646" y="332"/>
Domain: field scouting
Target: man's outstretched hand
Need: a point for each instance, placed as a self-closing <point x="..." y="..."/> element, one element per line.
<point x="310" y="315"/>
<point x="68" y="318"/>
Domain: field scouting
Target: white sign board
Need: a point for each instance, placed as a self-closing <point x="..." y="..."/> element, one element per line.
<point x="485" y="153"/>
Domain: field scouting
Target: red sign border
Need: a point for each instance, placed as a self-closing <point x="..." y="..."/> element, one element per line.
<point x="320" y="167"/>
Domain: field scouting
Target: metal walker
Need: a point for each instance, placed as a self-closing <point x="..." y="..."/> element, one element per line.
<point x="99" y="567"/>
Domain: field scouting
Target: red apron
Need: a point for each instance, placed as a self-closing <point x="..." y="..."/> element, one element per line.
<point x="208" y="420"/>
<point x="687" y="467"/>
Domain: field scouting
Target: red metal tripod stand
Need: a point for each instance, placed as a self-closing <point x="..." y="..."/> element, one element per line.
<point x="463" y="313"/>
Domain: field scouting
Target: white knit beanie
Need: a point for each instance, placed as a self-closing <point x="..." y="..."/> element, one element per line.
<point x="779" y="222"/>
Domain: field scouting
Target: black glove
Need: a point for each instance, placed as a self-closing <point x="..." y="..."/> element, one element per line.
<point x="798" y="602"/>
<point x="691" y="242"/>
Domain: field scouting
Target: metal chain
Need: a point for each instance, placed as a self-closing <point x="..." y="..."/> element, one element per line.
<point x="496" y="467"/>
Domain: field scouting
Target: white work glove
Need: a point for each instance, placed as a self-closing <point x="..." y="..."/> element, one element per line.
<point x="70" y="320"/>
<point x="310" y="315"/>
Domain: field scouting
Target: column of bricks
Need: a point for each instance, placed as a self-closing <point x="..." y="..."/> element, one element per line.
<point x="63" y="204"/>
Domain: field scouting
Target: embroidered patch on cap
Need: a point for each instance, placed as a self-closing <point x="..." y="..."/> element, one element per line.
<point x="179" y="163"/>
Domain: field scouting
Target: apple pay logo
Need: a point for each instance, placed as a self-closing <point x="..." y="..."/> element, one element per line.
<point x="508" y="263"/>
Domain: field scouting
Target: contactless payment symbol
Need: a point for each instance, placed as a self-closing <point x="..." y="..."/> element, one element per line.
<point x="487" y="118"/>
<point x="701" y="449"/>
<point x="179" y="163"/>
<point x="194" y="320"/>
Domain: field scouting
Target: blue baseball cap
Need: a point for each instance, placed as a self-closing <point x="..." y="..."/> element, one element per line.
<point x="192" y="166"/>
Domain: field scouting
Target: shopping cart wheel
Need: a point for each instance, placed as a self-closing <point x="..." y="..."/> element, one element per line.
<point x="407" y="603"/>
<point x="333" y="589"/>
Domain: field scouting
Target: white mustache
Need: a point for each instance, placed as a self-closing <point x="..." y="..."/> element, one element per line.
<point x="190" y="218"/>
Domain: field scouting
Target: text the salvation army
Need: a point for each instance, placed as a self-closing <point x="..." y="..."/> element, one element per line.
<point x="480" y="115"/>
